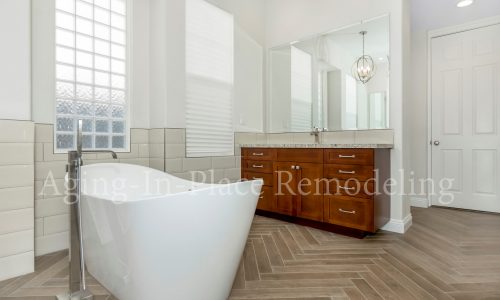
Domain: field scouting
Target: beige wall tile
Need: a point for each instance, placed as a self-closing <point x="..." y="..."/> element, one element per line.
<point x="175" y="136"/>
<point x="44" y="133"/>
<point x="16" y="220"/>
<point x="191" y="164"/>
<point x="133" y="153"/>
<point x="51" y="243"/>
<point x="56" y="168"/>
<point x="55" y="224"/>
<point x="16" y="176"/>
<point x="337" y="137"/>
<point x="38" y="152"/>
<point x="49" y="155"/>
<point x="223" y="162"/>
<point x="16" y="243"/>
<point x="16" y="265"/>
<point x="16" y="198"/>
<point x="232" y="174"/>
<point x="280" y="138"/>
<point x="383" y="136"/>
<point x="139" y="136"/>
<point x="144" y="151"/>
<point x="50" y="207"/>
<point x="157" y="136"/>
<point x="38" y="227"/>
<point x="175" y="150"/>
<point x="303" y="138"/>
<point x="12" y="131"/>
<point x="16" y="153"/>
<point x="173" y="165"/>
<point x="156" y="150"/>
<point x="158" y="164"/>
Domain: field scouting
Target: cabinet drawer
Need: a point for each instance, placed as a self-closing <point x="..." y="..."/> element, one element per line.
<point x="258" y="166"/>
<point x="268" y="178"/>
<point x="350" y="188"/>
<point x="259" y="153"/>
<point x="350" y="212"/>
<point x="266" y="199"/>
<point x="353" y="172"/>
<point x="349" y="156"/>
<point x="300" y="155"/>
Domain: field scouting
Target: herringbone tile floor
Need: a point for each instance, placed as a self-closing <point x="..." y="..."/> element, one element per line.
<point x="446" y="254"/>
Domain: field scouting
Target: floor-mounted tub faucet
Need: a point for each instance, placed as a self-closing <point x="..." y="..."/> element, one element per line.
<point x="77" y="283"/>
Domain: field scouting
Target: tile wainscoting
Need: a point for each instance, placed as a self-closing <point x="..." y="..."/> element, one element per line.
<point x="51" y="213"/>
<point x="16" y="198"/>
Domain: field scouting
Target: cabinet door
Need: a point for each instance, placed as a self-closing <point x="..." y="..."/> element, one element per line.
<point x="310" y="191"/>
<point x="285" y="187"/>
<point x="266" y="200"/>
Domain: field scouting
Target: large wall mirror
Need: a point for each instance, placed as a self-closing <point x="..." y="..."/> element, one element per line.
<point x="337" y="80"/>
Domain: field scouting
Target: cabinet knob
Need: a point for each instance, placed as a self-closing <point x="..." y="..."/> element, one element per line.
<point x="293" y="167"/>
<point x="297" y="167"/>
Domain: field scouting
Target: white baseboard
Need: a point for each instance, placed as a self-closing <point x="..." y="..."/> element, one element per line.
<point x="398" y="226"/>
<point x="419" y="202"/>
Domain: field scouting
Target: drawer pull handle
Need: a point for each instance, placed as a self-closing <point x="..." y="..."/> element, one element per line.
<point x="258" y="154"/>
<point x="258" y="166"/>
<point x="347" y="156"/>
<point x="347" y="188"/>
<point x="352" y="212"/>
<point x="347" y="172"/>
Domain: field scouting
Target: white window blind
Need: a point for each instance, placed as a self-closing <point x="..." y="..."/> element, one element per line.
<point x="209" y="82"/>
<point x="91" y="77"/>
<point x="301" y="65"/>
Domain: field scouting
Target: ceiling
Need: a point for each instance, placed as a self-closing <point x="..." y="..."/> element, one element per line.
<point x="433" y="14"/>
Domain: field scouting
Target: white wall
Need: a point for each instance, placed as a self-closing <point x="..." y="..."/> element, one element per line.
<point x="15" y="60"/>
<point x="43" y="62"/>
<point x="167" y="54"/>
<point x="289" y="20"/>
<point x="429" y="15"/>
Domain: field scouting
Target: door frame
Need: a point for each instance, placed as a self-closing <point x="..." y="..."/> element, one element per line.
<point x="431" y="34"/>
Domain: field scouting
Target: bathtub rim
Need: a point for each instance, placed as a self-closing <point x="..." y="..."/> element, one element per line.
<point x="203" y="186"/>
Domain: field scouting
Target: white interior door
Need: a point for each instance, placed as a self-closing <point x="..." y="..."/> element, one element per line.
<point x="466" y="119"/>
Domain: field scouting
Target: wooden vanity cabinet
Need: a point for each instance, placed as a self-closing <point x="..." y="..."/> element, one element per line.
<point x="257" y="163"/>
<point x="323" y="188"/>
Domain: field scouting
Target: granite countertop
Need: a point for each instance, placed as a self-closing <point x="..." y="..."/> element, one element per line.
<point x="360" y="146"/>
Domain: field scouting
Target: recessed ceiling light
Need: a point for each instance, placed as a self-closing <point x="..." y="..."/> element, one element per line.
<point x="464" y="3"/>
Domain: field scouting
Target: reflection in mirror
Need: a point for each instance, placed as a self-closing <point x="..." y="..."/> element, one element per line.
<point x="317" y="82"/>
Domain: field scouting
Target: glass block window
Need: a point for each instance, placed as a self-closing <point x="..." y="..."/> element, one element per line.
<point x="91" y="73"/>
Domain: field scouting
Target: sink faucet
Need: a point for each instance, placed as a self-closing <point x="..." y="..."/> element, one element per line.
<point x="77" y="283"/>
<point x="316" y="131"/>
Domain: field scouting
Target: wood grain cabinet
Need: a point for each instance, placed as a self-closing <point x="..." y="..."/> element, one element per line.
<point x="332" y="189"/>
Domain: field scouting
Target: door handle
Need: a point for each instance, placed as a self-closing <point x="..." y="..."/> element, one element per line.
<point x="436" y="143"/>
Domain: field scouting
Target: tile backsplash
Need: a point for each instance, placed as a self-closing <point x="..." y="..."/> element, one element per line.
<point x="16" y="198"/>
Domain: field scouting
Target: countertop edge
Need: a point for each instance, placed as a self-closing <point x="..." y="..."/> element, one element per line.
<point x="320" y="146"/>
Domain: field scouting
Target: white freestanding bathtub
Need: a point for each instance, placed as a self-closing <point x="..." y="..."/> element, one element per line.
<point x="150" y="235"/>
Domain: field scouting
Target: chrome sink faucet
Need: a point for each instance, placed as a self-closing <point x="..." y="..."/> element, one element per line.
<point x="77" y="283"/>
<point x="316" y="131"/>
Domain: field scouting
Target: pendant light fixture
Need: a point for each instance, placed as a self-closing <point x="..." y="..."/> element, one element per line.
<point x="364" y="67"/>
